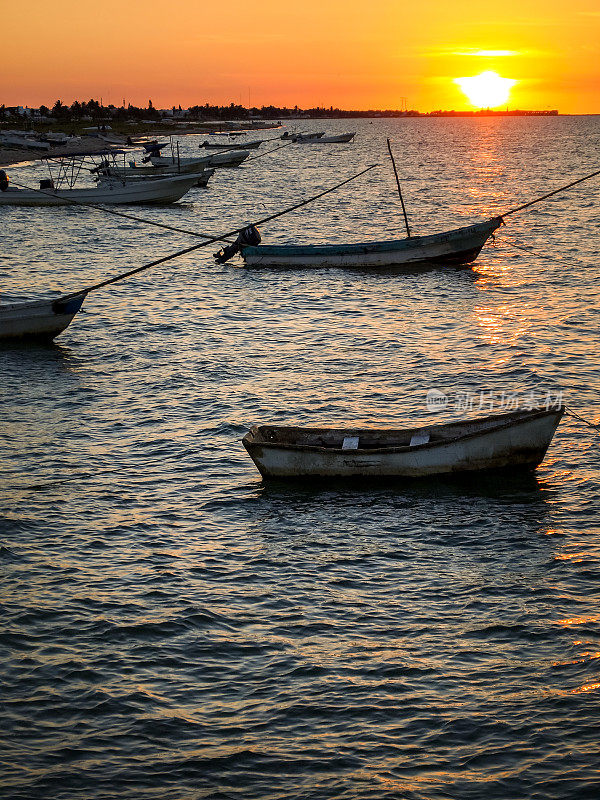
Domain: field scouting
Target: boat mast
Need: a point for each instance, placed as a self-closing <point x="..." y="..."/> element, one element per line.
<point x="399" y="189"/>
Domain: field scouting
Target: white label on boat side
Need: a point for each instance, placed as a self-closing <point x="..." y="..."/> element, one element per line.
<point x="419" y="438"/>
<point x="350" y="443"/>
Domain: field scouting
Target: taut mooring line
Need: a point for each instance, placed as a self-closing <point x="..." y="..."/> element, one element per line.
<point x="215" y="239"/>
<point x="545" y="196"/>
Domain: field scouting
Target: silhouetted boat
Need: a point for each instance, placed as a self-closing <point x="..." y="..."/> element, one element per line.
<point x="458" y="246"/>
<point x="518" y="439"/>
<point x="250" y="145"/>
<point x="341" y="138"/>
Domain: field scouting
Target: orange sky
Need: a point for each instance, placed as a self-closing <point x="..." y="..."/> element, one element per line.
<point x="313" y="52"/>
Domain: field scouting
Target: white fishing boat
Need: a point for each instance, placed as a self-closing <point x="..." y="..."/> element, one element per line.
<point x="161" y="191"/>
<point x="458" y="246"/>
<point x="341" y="138"/>
<point x="501" y="441"/>
<point x="38" y="319"/>
<point x="228" y="158"/>
<point x="111" y="174"/>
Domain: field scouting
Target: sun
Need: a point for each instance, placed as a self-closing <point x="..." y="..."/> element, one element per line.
<point x="486" y="90"/>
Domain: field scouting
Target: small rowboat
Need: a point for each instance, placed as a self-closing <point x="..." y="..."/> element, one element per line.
<point x="38" y="319"/>
<point x="518" y="439"/>
<point x="458" y="246"/>
<point x="341" y="138"/>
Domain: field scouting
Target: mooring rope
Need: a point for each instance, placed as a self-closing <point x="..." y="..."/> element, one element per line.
<point x="215" y="239"/>
<point x="105" y="210"/>
<point x="594" y="426"/>
<point x="550" y="194"/>
<point x="511" y="243"/>
<point x="268" y="152"/>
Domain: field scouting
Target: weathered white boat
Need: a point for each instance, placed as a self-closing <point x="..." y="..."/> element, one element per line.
<point x="38" y="319"/>
<point x="165" y="190"/>
<point x="518" y="439"/>
<point x="341" y="138"/>
<point x="458" y="246"/>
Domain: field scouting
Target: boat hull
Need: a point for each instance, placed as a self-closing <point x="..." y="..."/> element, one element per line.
<point x="41" y="319"/>
<point x="167" y="190"/>
<point x="254" y="145"/>
<point x="112" y="176"/>
<point x="229" y="158"/>
<point x="343" y="138"/>
<point x="516" y="440"/>
<point x="459" y="246"/>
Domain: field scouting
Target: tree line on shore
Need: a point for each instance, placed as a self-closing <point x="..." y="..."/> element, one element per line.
<point x="95" y="111"/>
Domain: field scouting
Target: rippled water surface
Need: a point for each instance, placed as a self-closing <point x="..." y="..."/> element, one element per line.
<point x="174" y="627"/>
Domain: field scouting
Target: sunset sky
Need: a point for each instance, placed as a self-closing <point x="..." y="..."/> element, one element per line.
<point x="314" y="52"/>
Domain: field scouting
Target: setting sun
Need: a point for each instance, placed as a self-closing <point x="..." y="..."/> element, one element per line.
<point x="486" y="90"/>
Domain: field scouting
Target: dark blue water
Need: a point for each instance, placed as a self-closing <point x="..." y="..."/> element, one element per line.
<point x="174" y="627"/>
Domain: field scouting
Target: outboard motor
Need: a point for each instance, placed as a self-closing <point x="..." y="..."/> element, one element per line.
<point x="46" y="183"/>
<point x="103" y="165"/>
<point x="3" y="181"/>
<point x="247" y="237"/>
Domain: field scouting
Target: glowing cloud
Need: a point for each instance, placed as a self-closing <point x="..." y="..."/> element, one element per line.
<point x="487" y="90"/>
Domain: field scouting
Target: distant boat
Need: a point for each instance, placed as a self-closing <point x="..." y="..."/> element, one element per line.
<point x="18" y="142"/>
<point x="229" y="158"/>
<point x="458" y="246"/>
<point x="38" y="319"/>
<point x="165" y="190"/>
<point x="302" y="136"/>
<point x="342" y="138"/>
<point x="252" y="145"/>
<point x="518" y="439"/>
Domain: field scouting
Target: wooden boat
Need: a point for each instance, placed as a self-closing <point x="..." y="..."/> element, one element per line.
<point x="38" y="319"/>
<point x="252" y="145"/>
<point x="518" y="439"/>
<point x="459" y="246"/>
<point x="342" y="138"/>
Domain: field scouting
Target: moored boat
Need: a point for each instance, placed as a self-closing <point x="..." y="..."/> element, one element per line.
<point x="228" y="158"/>
<point x="249" y="145"/>
<point x="517" y="439"/>
<point x="341" y="138"/>
<point x="164" y="190"/>
<point x="38" y="319"/>
<point x="304" y="136"/>
<point x="111" y="174"/>
<point x="458" y="246"/>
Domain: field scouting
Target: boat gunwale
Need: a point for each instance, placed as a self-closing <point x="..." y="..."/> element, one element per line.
<point x="25" y="304"/>
<point x="361" y="248"/>
<point x="509" y="421"/>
